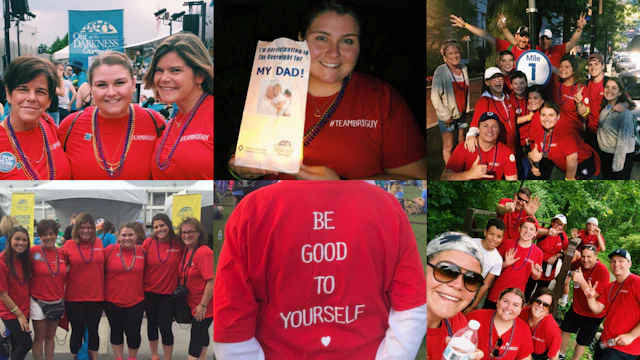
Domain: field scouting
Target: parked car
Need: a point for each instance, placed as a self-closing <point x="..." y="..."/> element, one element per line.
<point x="624" y="64"/>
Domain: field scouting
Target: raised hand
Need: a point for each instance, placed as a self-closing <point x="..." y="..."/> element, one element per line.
<point x="589" y="290"/>
<point x="510" y="258"/>
<point x="478" y="171"/>
<point x="574" y="233"/>
<point x="597" y="230"/>
<point x="532" y="206"/>
<point x="457" y="21"/>
<point x="578" y="96"/>
<point x="582" y="20"/>
<point x="536" y="270"/>
<point x="535" y="155"/>
<point x="577" y="276"/>
<point x="553" y="232"/>
<point x="502" y="20"/>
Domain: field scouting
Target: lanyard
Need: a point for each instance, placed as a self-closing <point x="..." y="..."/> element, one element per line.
<point x="491" y="327"/>
<point x="545" y="148"/>
<point x="499" y="113"/>
<point x="495" y="156"/>
<point x="620" y="288"/>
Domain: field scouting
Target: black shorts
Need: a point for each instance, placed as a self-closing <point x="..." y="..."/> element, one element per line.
<point x="585" y="326"/>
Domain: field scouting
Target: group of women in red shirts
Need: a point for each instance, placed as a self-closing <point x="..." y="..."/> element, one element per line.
<point x="113" y="139"/>
<point x="125" y="280"/>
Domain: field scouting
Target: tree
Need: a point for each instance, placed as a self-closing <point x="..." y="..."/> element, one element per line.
<point x="439" y="27"/>
<point x="59" y="44"/>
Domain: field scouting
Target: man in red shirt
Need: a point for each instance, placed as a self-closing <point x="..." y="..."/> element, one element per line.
<point x="621" y="300"/>
<point x="301" y="274"/>
<point x="512" y="210"/>
<point x="491" y="161"/>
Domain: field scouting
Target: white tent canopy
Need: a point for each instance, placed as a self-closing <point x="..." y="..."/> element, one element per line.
<point x="205" y="188"/>
<point x="116" y="201"/>
<point x="5" y="201"/>
<point x="61" y="54"/>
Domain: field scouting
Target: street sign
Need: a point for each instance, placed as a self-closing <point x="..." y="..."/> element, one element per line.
<point x="536" y="66"/>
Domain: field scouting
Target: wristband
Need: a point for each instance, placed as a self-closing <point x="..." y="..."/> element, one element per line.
<point x="14" y="309"/>
<point x="465" y="25"/>
<point x="569" y="179"/>
<point x="204" y="306"/>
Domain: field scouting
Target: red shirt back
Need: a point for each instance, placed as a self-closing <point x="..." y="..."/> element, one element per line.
<point x="499" y="159"/>
<point x="113" y="133"/>
<point x="323" y="282"/>
<point x="598" y="273"/>
<point x="32" y="145"/>
<point x="44" y="284"/>
<point x="18" y="289"/>
<point x="193" y="157"/>
<point x="547" y="336"/>
<point x="85" y="273"/>
<point x="517" y="274"/>
<point x="518" y="347"/>
<point x="622" y="302"/>
<point x="124" y="287"/>
<point x="200" y="271"/>
<point x="161" y="266"/>
<point x="437" y="336"/>
<point x="507" y="115"/>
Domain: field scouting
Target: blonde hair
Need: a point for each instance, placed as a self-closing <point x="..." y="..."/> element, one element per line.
<point x="7" y="223"/>
<point x="192" y="51"/>
<point x="110" y="58"/>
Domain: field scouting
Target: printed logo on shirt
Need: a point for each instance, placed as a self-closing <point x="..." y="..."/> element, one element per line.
<point x="7" y="162"/>
<point x="363" y="123"/>
<point x="191" y="137"/>
<point x="512" y="158"/>
<point x="624" y="291"/>
<point x="283" y="148"/>
<point x="538" y="339"/>
<point x="37" y="257"/>
<point x="143" y="138"/>
<point x="87" y="136"/>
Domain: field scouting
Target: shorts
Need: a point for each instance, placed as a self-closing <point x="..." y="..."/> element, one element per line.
<point x="460" y="124"/>
<point x="35" y="311"/>
<point x="585" y="326"/>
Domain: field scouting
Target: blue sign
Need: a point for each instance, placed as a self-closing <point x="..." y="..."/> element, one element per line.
<point x="94" y="32"/>
<point x="536" y="66"/>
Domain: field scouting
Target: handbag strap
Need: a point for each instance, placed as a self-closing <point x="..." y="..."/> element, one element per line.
<point x="184" y="268"/>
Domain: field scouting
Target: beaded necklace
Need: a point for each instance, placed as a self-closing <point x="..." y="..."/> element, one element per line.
<point x="315" y="128"/>
<point x="23" y="161"/>
<point x="545" y="148"/>
<point x="46" y="261"/>
<point x="165" y="164"/>
<point x="617" y="292"/>
<point x="499" y="113"/>
<point x="133" y="263"/>
<point x="113" y="169"/>
<point x="525" y="259"/>
<point x="82" y="255"/>
<point x="560" y="97"/>
<point x="158" y="251"/>
<point x="449" y="329"/>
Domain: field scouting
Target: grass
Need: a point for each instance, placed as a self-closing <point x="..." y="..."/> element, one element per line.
<point x="417" y="224"/>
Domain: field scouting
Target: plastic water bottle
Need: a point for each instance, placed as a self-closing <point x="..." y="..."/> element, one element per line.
<point x="220" y="235"/>
<point x="606" y="344"/>
<point x="463" y="344"/>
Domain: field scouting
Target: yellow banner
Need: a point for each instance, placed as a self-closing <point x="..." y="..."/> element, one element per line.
<point x="22" y="210"/>
<point x="185" y="206"/>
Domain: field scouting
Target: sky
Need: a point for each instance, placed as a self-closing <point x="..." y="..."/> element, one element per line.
<point x="139" y="23"/>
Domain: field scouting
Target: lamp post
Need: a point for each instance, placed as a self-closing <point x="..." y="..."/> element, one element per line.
<point x="467" y="39"/>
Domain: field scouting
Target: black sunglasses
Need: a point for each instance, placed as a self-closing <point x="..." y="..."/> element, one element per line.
<point x="445" y="273"/>
<point x="521" y="199"/>
<point x="590" y="247"/>
<point x="545" y="305"/>
<point x="496" y="350"/>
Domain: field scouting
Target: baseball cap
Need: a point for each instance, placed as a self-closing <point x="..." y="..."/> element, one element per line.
<point x="523" y="31"/>
<point x="547" y="33"/>
<point x="592" y="220"/>
<point x="488" y="116"/>
<point x="560" y="217"/>
<point x="596" y="57"/>
<point x="492" y="72"/>
<point x="621" y="252"/>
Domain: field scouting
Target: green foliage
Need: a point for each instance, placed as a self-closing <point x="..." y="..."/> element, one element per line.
<point x="59" y="44"/>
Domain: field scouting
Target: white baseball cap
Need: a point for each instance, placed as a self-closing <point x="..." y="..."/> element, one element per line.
<point x="592" y="220"/>
<point x="491" y="72"/>
<point x="562" y="218"/>
<point x="547" y="33"/>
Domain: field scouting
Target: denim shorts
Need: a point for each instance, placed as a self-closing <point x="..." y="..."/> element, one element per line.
<point x="459" y="124"/>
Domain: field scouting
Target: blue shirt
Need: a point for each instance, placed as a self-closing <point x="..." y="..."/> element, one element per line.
<point x="3" y="243"/>
<point x="77" y="80"/>
<point x="107" y="239"/>
<point x="424" y="196"/>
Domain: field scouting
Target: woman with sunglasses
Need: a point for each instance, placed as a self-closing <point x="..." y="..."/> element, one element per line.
<point x="503" y="335"/>
<point x="580" y="319"/>
<point x="522" y="260"/>
<point x="544" y="328"/>
<point x="449" y="256"/>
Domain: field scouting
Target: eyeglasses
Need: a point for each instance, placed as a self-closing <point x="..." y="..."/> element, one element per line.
<point x="445" y="273"/>
<point x="590" y="247"/>
<point x="521" y="199"/>
<point x="545" y="305"/>
<point x="190" y="232"/>
<point x="496" y="351"/>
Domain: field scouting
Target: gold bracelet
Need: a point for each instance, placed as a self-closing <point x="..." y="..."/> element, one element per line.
<point x="465" y="25"/>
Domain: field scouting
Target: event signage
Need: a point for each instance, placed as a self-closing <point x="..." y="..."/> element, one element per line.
<point x="536" y="66"/>
<point x="185" y="206"/>
<point x="94" y="32"/>
<point x="22" y="205"/>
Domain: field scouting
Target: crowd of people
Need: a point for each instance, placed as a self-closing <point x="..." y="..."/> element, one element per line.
<point x="563" y="129"/>
<point x="99" y="134"/>
<point x="167" y="276"/>
<point x="514" y="264"/>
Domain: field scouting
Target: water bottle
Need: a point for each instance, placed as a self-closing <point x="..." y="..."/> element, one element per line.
<point x="463" y="343"/>
<point x="220" y="235"/>
<point x="607" y="344"/>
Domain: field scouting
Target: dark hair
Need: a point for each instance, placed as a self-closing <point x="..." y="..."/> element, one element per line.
<point x="24" y="257"/>
<point x="505" y="52"/>
<point x="574" y="65"/>
<point x="108" y="227"/>
<point x="45" y="225"/>
<point x="287" y="92"/>
<point x="140" y="234"/>
<point x="512" y="290"/>
<point x="202" y="238"/>
<point x="495" y="222"/>
<point x="26" y="68"/>
<point x="518" y="75"/>
<point x="165" y="219"/>
<point x="110" y="58"/>
<point x="525" y="190"/>
<point x="128" y="225"/>
<point x="528" y="219"/>
<point x="543" y="291"/>
<point x="538" y="89"/>
<point x="340" y="7"/>
<point x="551" y="105"/>
<point x="81" y="219"/>
<point x="623" y="97"/>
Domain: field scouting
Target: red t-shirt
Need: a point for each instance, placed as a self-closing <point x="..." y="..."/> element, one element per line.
<point x="32" y="145"/>
<point x="499" y="159"/>
<point x="193" y="157"/>
<point x="507" y="88"/>
<point x="372" y="129"/>
<point x="502" y="45"/>
<point x="460" y="89"/>
<point x="507" y="115"/>
<point x="550" y="246"/>
<point x="511" y="220"/>
<point x="85" y="276"/>
<point x="124" y="287"/>
<point x="555" y="54"/>
<point x="547" y="336"/>
<point x="564" y="96"/>
<point x="18" y="289"/>
<point x="200" y="271"/>
<point x="562" y="143"/>
<point x="48" y="285"/>
<point x="326" y="291"/>
<point x="589" y="239"/>
<point x="113" y="133"/>
<point x="517" y="348"/>
<point x="598" y="273"/>
<point x="623" y="311"/>
<point x="520" y="109"/>
<point x="161" y="268"/>
<point x="517" y="274"/>
<point x="595" y="92"/>
<point x="436" y="337"/>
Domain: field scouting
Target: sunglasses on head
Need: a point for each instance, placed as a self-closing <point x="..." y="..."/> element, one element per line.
<point x="496" y="351"/>
<point x="521" y="199"/>
<point x="545" y="305"/>
<point x="590" y="247"/>
<point x="445" y="272"/>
